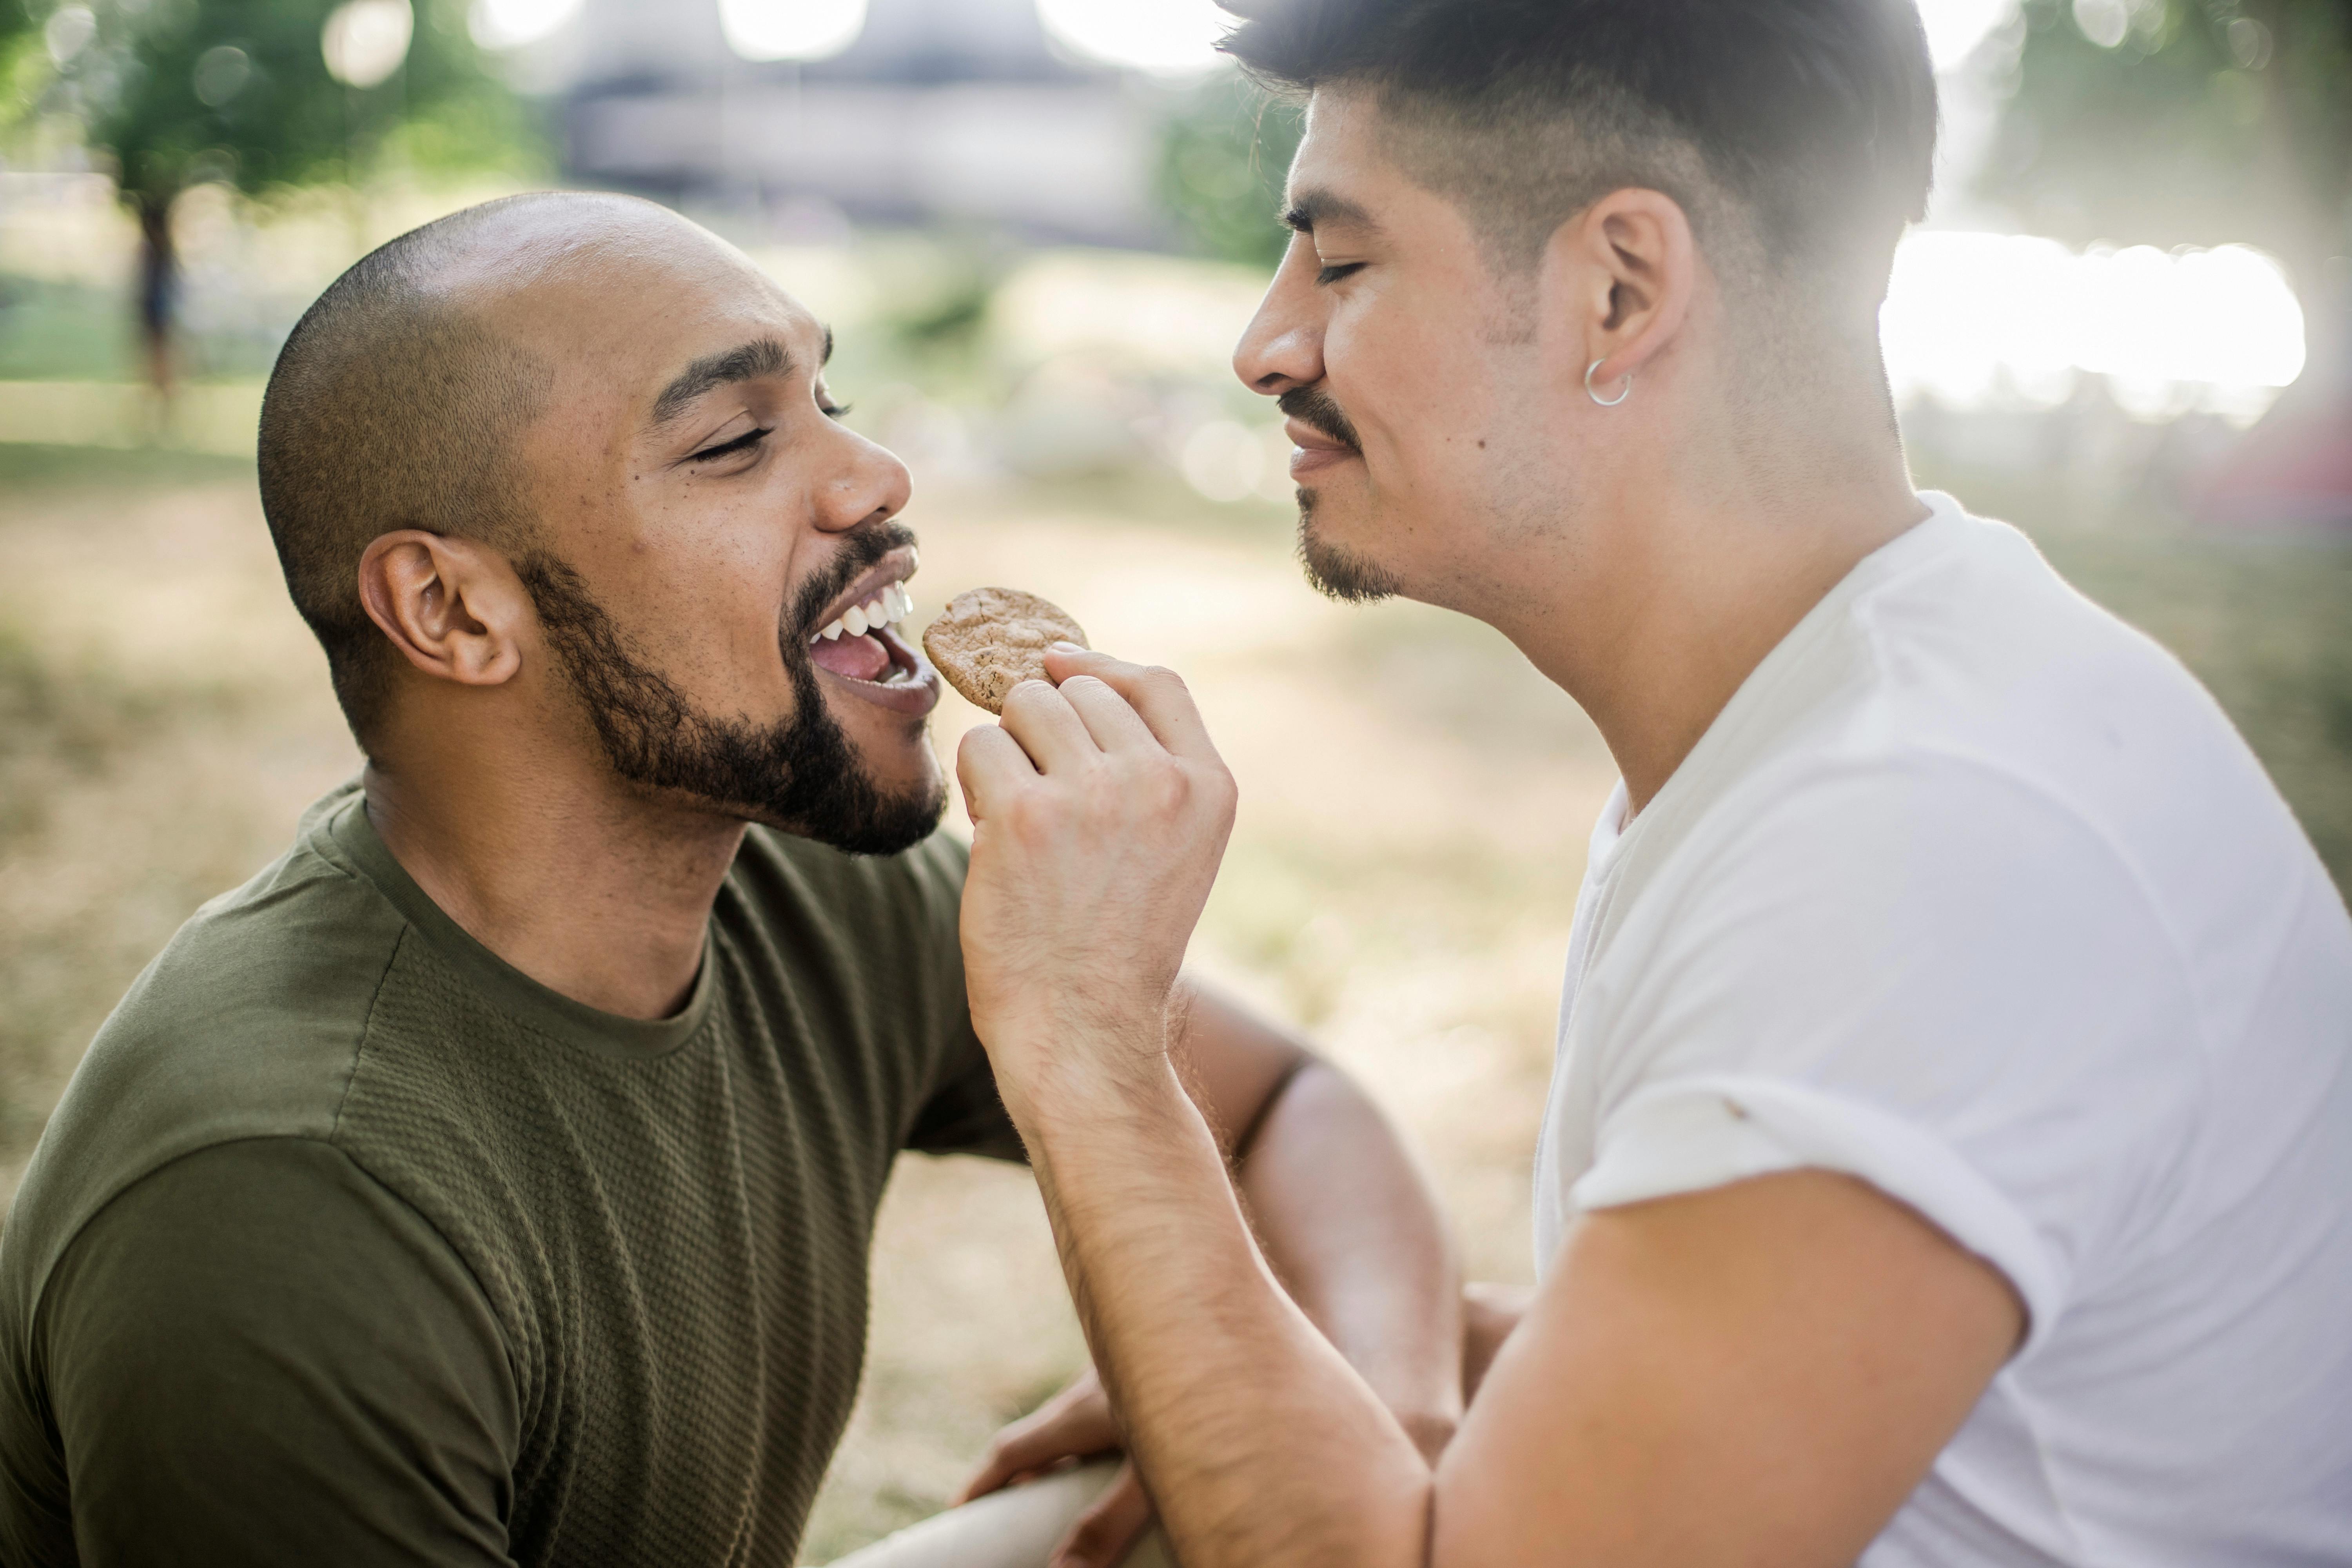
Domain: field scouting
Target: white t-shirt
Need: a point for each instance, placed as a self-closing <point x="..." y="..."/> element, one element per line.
<point x="1972" y="892"/>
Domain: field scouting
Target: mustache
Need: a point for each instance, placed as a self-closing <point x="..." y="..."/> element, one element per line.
<point x="1313" y="407"/>
<point x="861" y="547"/>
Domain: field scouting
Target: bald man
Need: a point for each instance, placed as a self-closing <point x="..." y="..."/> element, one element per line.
<point x="490" y="1179"/>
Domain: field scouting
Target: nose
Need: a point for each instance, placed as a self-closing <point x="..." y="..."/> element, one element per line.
<point x="1283" y="347"/>
<point x="867" y="483"/>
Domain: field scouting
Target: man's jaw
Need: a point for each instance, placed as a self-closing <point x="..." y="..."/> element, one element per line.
<point x="859" y="646"/>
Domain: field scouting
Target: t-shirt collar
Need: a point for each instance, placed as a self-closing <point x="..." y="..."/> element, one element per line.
<point x="348" y="830"/>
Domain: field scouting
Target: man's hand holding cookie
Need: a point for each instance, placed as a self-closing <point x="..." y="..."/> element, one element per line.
<point x="1100" y="812"/>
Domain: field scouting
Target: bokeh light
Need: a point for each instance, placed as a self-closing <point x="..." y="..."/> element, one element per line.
<point x="791" y="29"/>
<point x="69" y="29"/>
<point x="363" y="41"/>
<point x="1994" y="321"/>
<point x="1955" y="28"/>
<point x="1168" y="37"/>
<point x="511" y="24"/>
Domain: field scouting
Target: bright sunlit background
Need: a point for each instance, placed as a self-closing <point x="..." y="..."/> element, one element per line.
<point x="1038" y="227"/>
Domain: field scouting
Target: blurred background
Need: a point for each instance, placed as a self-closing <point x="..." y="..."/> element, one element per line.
<point x="1038" y="225"/>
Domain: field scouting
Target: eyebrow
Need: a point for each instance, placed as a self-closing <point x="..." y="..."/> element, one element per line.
<point x="1315" y="206"/>
<point x="745" y="362"/>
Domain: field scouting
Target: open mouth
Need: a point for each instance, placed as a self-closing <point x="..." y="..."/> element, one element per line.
<point x="861" y="644"/>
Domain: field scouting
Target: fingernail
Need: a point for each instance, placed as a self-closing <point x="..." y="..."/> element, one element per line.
<point x="1068" y="647"/>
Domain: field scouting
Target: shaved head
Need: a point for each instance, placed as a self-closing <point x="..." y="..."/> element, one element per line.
<point x="396" y="402"/>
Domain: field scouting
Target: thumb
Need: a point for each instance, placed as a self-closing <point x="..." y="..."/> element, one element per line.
<point x="1103" y="1535"/>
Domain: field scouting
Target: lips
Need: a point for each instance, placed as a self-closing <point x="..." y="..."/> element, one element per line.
<point x="1313" y="449"/>
<point x="859" y="649"/>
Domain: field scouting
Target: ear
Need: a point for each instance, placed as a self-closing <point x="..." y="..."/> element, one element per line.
<point x="454" y="609"/>
<point x="1623" y="271"/>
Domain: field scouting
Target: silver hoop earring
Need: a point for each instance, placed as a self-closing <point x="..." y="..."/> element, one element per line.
<point x="1606" y="402"/>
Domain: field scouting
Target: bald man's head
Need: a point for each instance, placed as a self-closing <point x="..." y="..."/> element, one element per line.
<point x="396" y="404"/>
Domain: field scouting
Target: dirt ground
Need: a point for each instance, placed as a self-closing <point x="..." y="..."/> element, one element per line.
<point x="1415" y="807"/>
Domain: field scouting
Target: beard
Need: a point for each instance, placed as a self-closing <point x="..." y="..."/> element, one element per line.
<point x="802" y="774"/>
<point x="1332" y="570"/>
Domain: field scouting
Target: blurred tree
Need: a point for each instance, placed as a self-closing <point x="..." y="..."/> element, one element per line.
<point x="1224" y="155"/>
<point x="2166" y="121"/>
<point x="260" y="94"/>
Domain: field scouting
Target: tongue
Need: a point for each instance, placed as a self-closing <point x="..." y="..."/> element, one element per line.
<point x="858" y="658"/>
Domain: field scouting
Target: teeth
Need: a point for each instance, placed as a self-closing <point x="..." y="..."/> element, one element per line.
<point x="892" y="604"/>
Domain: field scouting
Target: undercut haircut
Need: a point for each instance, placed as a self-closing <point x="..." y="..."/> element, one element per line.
<point x="1797" y="135"/>
<point x="392" y="407"/>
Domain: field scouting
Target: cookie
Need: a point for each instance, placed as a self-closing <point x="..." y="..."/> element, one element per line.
<point x="990" y="640"/>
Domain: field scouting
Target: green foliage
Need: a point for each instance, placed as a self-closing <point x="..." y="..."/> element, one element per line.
<point x="2205" y="120"/>
<point x="182" y="91"/>
<point x="1222" y="159"/>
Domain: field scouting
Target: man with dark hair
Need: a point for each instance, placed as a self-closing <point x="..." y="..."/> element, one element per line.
<point x="1947" y="1158"/>
<point x="489" y="1181"/>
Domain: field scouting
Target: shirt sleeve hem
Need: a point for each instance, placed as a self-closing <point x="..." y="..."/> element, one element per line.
<point x="1696" y="1133"/>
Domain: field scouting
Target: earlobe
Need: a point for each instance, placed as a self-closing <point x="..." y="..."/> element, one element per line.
<point x="453" y="609"/>
<point x="1635" y="250"/>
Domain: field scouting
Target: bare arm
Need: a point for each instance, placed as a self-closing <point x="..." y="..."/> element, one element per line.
<point x="1343" y="1216"/>
<point x="1760" y="1372"/>
<point x="1344" y="1219"/>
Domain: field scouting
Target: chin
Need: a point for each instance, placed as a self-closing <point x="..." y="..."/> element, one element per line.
<point x="1336" y="569"/>
<point x="912" y="773"/>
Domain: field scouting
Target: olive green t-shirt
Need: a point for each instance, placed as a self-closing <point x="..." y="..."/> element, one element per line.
<point x="350" y="1244"/>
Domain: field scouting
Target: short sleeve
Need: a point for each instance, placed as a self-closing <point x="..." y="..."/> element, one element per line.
<point x="1924" y="975"/>
<point x="258" y="1354"/>
<point x="965" y="1115"/>
<point x="961" y="1111"/>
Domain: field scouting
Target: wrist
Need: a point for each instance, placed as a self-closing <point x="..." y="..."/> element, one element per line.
<point x="1059" y="1065"/>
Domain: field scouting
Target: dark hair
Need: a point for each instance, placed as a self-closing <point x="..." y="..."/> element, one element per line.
<point x="1816" y="117"/>
<point x="391" y="407"/>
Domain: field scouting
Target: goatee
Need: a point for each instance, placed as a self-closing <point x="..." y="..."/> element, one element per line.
<point x="801" y="775"/>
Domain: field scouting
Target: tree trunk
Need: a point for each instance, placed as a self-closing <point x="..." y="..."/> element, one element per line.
<point x="159" y="287"/>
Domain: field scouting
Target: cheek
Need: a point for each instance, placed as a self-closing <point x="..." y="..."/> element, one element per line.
<point x="1419" y="385"/>
<point x="718" y="590"/>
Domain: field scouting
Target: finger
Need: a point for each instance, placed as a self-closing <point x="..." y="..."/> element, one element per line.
<point x="992" y="766"/>
<point x="1038" y="1442"/>
<point x="1011" y="1456"/>
<point x="1114" y="725"/>
<point x="1103" y="1535"/>
<point x="1158" y="696"/>
<point x="1048" y="728"/>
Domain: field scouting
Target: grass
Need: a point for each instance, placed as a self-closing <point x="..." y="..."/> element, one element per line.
<point x="36" y="476"/>
<point x="53" y="330"/>
<point x="65" y="331"/>
<point x="1415" y="807"/>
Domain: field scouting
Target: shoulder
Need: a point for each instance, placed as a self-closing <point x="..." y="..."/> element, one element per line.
<point x="239" y="1298"/>
<point x="246" y="1025"/>
<point x="1958" y="711"/>
<point x="1982" y="649"/>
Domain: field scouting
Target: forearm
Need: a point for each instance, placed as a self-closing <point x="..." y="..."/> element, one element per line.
<point x="1356" y="1237"/>
<point x="1170" y="1281"/>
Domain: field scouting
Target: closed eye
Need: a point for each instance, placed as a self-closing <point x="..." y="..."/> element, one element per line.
<point x="747" y="440"/>
<point x="1333" y="274"/>
<point x="832" y="410"/>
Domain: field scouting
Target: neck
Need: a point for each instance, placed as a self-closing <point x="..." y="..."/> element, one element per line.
<point x="1681" y="592"/>
<point x="596" y="894"/>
